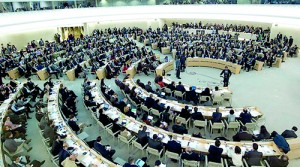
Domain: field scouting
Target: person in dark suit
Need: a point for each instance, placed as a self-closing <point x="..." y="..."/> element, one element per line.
<point x="197" y="115"/>
<point x="116" y="127"/>
<point x="73" y="124"/>
<point x="254" y="157"/>
<point x="142" y="136"/>
<point x="226" y="75"/>
<point x="190" y="155"/>
<point x="243" y="135"/>
<point x="290" y="133"/>
<point x="149" y="101"/>
<point x="215" y="152"/>
<point x="282" y="161"/>
<point x="174" y="146"/>
<point x="171" y="86"/>
<point x="57" y="146"/>
<point x="191" y="95"/>
<point x="180" y="87"/>
<point x="155" y="143"/>
<point x="104" y="150"/>
<point x="245" y="116"/>
<point x="178" y="128"/>
<point x="64" y="153"/>
<point x="148" y="87"/>
<point x="216" y="116"/>
<point x="185" y="113"/>
<point x="138" y="82"/>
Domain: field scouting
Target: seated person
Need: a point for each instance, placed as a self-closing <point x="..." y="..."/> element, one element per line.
<point x="148" y="87"/>
<point x="245" y="116"/>
<point x="191" y="95"/>
<point x="236" y="156"/>
<point x="282" y="161"/>
<point x="215" y="152"/>
<point x="216" y="92"/>
<point x="216" y="116"/>
<point x="263" y="134"/>
<point x="185" y="113"/>
<point x="206" y="92"/>
<point x="174" y="146"/>
<point x="155" y="143"/>
<point x="179" y="128"/>
<point x="280" y="142"/>
<point x="207" y="102"/>
<point x="130" y="163"/>
<point x="116" y="127"/>
<point x="142" y="136"/>
<point x="14" y="146"/>
<point x="243" y="135"/>
<point x="72" y="122"/>
<point x="105" y="150"/>
<point x="231" y="116"/>
<point x="23" y="161"/>
<point x="253" y="157"/>
<point x="197" y="115"/>
<point x="138" y="82"/>
<point x="290" y="133"/>
<point x="190" y="155"/>
<point x="70" y="161"/>
<point x="171" y="86"/>
<point x="180" y="87"/>
<point x="88" y="102"/>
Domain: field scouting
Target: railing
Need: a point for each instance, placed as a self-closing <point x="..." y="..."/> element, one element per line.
<point x="12" y="6"/>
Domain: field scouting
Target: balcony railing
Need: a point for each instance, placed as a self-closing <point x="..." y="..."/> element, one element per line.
<point x="13" y="6"/>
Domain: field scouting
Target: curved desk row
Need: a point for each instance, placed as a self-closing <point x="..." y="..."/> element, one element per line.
<point x="86" y="155"/>
<point x="163" y="68"/>
<point x="215" y="63"/>
<point x="175" y="106"/>
<point x="71" y="73"/>
<point x="14" y="73"/>
<point x="198" y="144"/>
<point x="198" y="88"/>
<point x="3" y="109"/>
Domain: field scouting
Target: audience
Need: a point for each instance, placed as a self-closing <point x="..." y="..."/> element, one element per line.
<point x="290" y="133"/>
<point x="215" y="152"/>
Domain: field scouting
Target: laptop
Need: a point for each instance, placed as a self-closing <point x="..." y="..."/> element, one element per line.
<point x="139" y="163"/>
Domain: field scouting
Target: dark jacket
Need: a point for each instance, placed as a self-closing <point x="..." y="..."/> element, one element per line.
<point x="289" y="134"/>
<point x="155" y="144"/>
<point x="253" y="158"/>
<point x="174" y="146"/>
<point x="214" y="154"/>
<point x="242" y="136"/>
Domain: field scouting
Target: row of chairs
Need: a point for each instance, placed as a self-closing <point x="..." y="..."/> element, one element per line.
<point x="226" y="96"/>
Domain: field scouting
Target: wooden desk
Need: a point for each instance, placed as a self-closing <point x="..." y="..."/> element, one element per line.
<point x="199" y="89"/>
<point x="176" y="106"/>
<point x="154" y="46"/>
<point x="86" y="155"/>
<point x="71" y="73"/>
<point x="198" y="144"/>
<point x="215" y="63"/>
<point x="3" y="111"/>
<point x="163" y="68"/>
<point x="101" y="73"/>
<point x="131" y="71"/>
<point x="285" y="55"/>
<point x="165" y="50"/>
<point x="43" y="74"/>
<point x="146" y="42"/>
<point x="14" y="73"/>
<point x="277" y="62"/>
<point x="258" y="65"/>
<point x="295" y="148"/>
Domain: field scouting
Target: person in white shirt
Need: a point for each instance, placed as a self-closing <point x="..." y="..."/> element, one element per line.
<point x="236" y="156"/>
<point x="216" y="92"/>
<point x="231" y="116"/>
